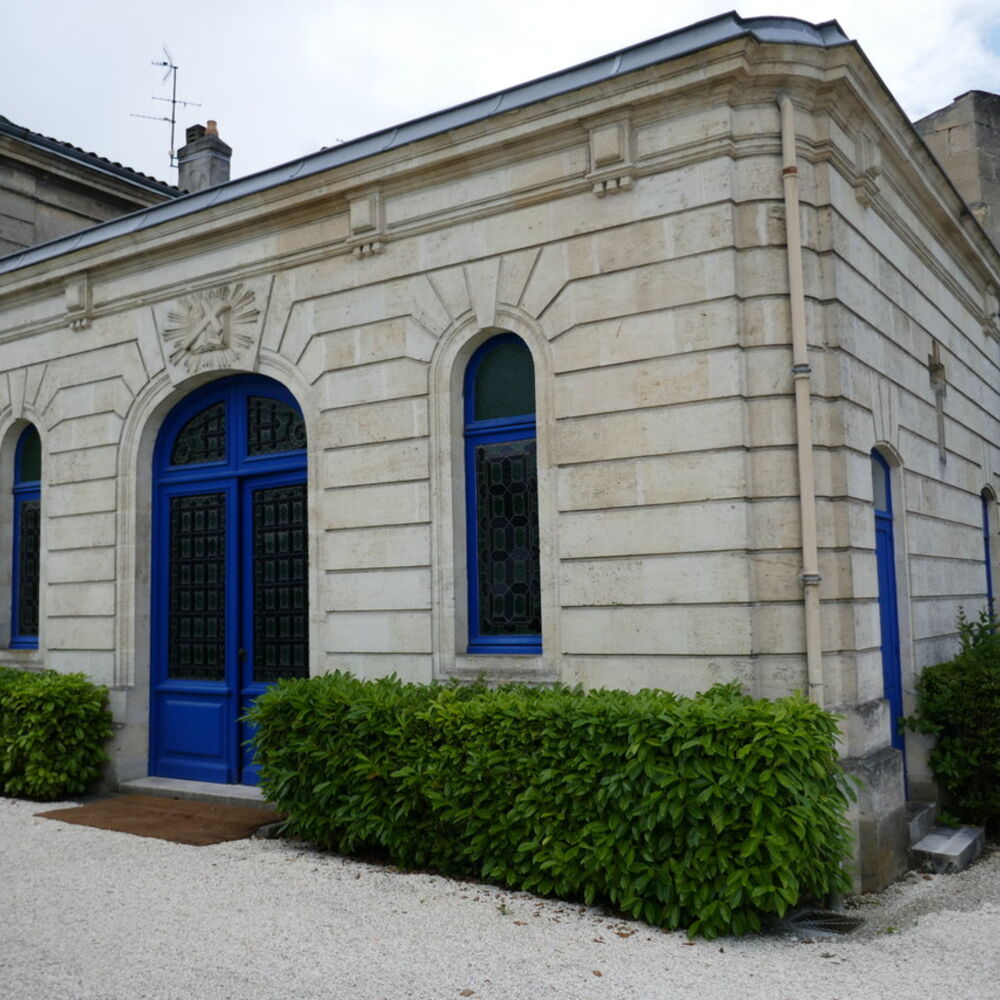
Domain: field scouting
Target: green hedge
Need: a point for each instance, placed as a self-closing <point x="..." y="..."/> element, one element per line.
<point x="958" y="701"/>
<point x="708" y="813"/>
<point x="52" y="733"/>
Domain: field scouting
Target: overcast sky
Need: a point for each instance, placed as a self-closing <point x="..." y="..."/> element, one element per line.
<point x="286" y="78"/>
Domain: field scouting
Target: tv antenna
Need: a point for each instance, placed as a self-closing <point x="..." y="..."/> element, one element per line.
<point x="171" y="71"/>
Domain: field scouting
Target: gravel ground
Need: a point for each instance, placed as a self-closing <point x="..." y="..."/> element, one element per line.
<point x="87" y="914"/>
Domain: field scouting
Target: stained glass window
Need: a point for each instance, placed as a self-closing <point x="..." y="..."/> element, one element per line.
<point x="505" y="382"/>
<point x="507" y="538"/>
<point x="880" y="482"/>
<point x="280" y="583"/>
<point x="27" y="539"/>
<point x="202" y="438"/>
<point x="273" y="426"/>
<point x="502" y="499"/>
<point x="197" y="619"/>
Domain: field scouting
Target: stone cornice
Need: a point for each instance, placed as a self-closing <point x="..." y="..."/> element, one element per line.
<point x="836" y="82"/>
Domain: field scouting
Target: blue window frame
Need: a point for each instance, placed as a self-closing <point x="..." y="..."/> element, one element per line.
<point x="501" y="478"/>
<point x="988" y="555"/>
<point x="27" y="538"/>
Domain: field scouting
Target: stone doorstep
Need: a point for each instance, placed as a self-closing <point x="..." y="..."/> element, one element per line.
<point x="947" y="850"/>
<point x="920" y="817"/>
<point x="196" y="791"/>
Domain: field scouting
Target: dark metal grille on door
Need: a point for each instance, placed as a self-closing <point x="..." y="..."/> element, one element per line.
<point x="28" y="564"/>
<point x="280" y="590"/>
<point x="202" y="438"/>
<point x="273" y="426"/>
<point x="197" y="623"/>
<point x="507" y="538"/>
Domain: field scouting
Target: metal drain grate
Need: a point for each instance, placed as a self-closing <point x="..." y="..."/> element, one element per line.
<point x="814" y="922"/>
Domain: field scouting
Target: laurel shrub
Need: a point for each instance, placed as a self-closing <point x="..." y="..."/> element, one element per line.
<point x="714" y="813"/>
<point x="53" y="728"/>
<point x="958" y="702"/>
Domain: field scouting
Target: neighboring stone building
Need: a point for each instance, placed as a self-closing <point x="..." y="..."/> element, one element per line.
<point x="965" y="138"/>
<point x="49" y="188"/>
<point x="540" y="387"/>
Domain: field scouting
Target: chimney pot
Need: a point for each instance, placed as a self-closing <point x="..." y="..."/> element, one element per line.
<point x="204" y="161"/>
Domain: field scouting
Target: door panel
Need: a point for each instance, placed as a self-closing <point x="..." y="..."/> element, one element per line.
<point x="889" y="621"/>
<point x="275" y="639"/>
<point x="193" y="695"/>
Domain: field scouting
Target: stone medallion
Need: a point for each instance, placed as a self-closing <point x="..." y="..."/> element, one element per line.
<point x="213" y="329"/>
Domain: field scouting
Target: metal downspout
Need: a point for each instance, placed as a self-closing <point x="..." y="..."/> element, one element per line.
<point x="801" y="378"/>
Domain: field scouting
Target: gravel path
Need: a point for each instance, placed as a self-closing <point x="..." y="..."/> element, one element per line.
<point x="87" y="914"/>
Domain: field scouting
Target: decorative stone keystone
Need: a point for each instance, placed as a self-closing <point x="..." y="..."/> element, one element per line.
<point x="214" y="329"/>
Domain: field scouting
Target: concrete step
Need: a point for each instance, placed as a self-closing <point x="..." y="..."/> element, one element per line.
<point x="195" y="791"/>
<point x="948" y="849"/>
<point x="920" y="816"/>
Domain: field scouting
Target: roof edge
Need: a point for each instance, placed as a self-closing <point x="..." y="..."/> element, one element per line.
<point x="673" y="45"/>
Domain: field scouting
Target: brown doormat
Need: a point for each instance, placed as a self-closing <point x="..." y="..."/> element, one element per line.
<point x="183" y="822"/>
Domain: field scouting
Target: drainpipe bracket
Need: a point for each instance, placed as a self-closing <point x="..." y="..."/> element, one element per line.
<point x="810" y="579"/>
<point x="803" y="370"/>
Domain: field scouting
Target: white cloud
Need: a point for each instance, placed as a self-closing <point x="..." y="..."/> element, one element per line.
<point x="283" y="80"/>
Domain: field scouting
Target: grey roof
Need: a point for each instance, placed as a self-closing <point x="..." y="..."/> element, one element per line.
<point x="91" y="161"/>
<point x="702" y="35"/>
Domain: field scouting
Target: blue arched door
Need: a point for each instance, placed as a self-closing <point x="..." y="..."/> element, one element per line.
<point x="888" y="607"/>
<point x="229" y="572"/>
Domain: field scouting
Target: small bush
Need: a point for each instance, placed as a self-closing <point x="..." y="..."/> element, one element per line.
<point x="52" y="733"/>
<point x="707" y="813"/>
<point x="958" y="701"/>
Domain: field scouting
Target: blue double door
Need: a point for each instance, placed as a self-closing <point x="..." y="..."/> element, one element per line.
<point x="230" y="573"/>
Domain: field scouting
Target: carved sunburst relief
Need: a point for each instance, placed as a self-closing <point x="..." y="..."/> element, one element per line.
<point x="212" y="329"/>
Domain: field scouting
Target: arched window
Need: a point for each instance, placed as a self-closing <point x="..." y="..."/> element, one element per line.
<point x="987" y="499"/>
<point x="505" y="612"/>
<point x="27" y="536"/>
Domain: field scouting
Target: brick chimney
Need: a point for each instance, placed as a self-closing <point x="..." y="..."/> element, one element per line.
<point x="204" y="161"/>
<point x="965" y="138"/>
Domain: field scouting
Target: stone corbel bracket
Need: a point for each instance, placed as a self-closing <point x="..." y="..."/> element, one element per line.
<point x="366" y="218"/>
<point x="991" y="312"/>
<point x="868" y="163"/>
<point x="78" y="299"/>
<point x="612" y="165"/>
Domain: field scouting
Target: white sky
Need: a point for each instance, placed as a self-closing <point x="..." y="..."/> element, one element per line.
<point x="285" y="78"/>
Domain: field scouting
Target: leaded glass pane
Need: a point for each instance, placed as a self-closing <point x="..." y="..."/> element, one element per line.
<point x="273" y="426"/>
<point x="28" y="564"/>
<point x="504" y="383"/>
<point x="197" y="616"/>
<point x="202" y="438"/>
<point x="880" y="484"/>
<point x="507" y="538"/>
<point x="280" y="586"/>
<point x="29" y="468"/>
